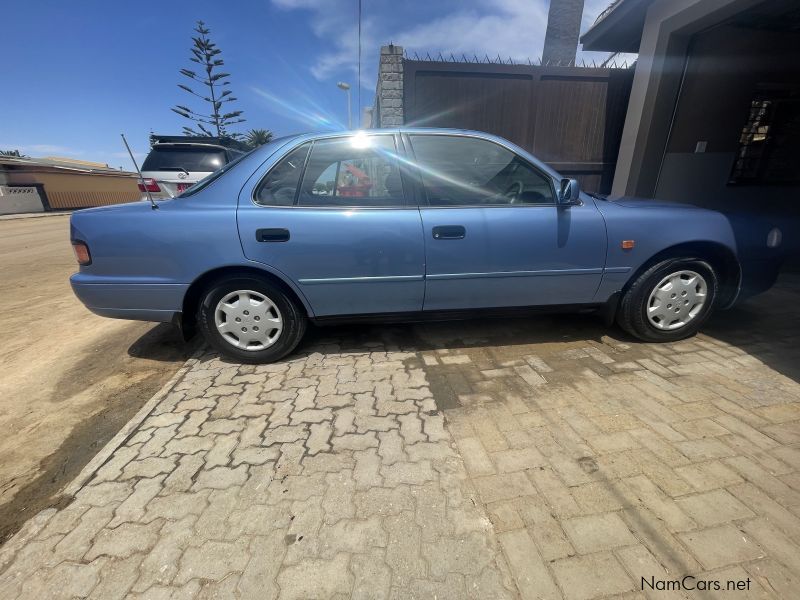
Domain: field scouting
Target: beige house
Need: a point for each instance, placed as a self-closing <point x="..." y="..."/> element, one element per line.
<point x="714" y="111"/>
<point x="65" y="183"/>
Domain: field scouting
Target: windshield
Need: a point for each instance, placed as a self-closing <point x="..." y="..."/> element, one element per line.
<point x="184" y="159"/>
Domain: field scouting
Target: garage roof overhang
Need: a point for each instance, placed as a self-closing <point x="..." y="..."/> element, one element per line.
<point x="618" y="28"/>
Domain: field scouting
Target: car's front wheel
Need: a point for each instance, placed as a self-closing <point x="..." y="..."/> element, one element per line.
<point x="250" y="320"/>
<point x="669" y="301"/>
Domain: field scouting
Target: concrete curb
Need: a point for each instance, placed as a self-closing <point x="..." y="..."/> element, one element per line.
<point x="129" y="428"/>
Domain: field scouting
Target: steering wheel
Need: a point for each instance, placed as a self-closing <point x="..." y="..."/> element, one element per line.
<point x="513" y="192"/>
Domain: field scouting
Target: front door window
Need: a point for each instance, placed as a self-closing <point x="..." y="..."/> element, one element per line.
<point x="465" y="171"/>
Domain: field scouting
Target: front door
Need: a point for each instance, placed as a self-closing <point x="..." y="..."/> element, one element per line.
<point x="332" y="216"/>
<point x="494" y="235"/>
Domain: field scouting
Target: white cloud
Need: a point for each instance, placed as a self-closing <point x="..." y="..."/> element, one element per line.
<point x="42" y="149"/>
<point x="513" y="29"/>
<point x="337" y="22"/>
<point x="509" y="28"/>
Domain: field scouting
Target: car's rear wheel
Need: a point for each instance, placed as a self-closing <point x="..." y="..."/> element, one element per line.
<point x="670" y="301"/>
<point x="250" y="320"/>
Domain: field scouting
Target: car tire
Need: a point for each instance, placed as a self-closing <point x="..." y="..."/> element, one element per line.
<point x="279" y="321"/>
<point x="670" y="301"/>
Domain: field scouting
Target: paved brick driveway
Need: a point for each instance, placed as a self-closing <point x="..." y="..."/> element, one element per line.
<point x="532" y="458"/>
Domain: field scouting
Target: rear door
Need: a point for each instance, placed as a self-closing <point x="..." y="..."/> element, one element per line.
<point x="494" y="235"/>
<point x="332" y="215"/>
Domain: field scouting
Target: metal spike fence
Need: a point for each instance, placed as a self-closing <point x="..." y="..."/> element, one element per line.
<point x="499" y="60"/>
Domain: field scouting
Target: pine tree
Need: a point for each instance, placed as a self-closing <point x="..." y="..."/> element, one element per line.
<point x="206" y="54"/>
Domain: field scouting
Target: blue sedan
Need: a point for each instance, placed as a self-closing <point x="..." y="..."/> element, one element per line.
<point x="410" y="223"/>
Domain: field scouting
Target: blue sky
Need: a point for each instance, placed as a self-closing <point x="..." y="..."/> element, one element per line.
<point x="79" y="73"/>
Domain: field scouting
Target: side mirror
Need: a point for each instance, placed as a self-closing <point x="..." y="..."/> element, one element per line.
<point x="569" y="192"/>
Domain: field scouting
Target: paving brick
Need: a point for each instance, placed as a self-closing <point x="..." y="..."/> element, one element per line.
<point x="598" y="532"/>
<point x="148" y="467"/>
<point x="212" y="560"/>
<point x="220" y="452"/>
<point x="736" y="576"/>
<point x="641" y="489"/>
<point x="708" y="475"/>
<point x="371" y="577"/>
<point x="760" y="477"/>
<point x="641" y="564"/>
<point x="599" y="496"/>
<point x="577" y="467"/>
<point x="713" y="508"/>
<point x="721" y="546"/>
<point x="403" y="548"/>
<point x="529" y="376"/>
<point x="132" y="508"/>
<point x="407" y="472"/>
<point x="124" y="541"/>
<point x="656" y="537"/>
<point x="116" y="577"/>
<point x="774" y="576"/>
<point x="517" y="459"/>
<point x="529" y="571"/>
<point x="556" y="493"/>
<point x="220" y="478"/>
<point x="613" y="442"/>
<point x="704" y="449"/>
<point x="78" y="541"/>
<point x="776" y="543"/>
<point x="503" y="487"/>
<point x="467" y="555"/>
<point x="591" y="576"/>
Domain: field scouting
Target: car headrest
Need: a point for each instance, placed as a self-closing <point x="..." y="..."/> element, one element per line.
<point x="394" y="185"/>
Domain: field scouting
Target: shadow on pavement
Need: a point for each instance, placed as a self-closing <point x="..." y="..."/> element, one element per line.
<point x="767" y="326"/>
<point x="163" y="342"/>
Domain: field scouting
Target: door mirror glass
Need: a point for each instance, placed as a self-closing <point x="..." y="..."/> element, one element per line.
<point x="569" y="192"/>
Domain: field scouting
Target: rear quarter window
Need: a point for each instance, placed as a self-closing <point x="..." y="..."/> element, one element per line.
<point x="190" y="159"/>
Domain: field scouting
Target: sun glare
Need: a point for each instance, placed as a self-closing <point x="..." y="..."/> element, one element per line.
<point x="361" y="140"/>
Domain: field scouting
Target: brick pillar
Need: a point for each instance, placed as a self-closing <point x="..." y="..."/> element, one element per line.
<point x="388" y="111"/>
<point x="563" y="27"/>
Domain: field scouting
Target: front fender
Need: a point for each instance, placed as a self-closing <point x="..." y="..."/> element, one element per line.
<point x="654" y="230"/>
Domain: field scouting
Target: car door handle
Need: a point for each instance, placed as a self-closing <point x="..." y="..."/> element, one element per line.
<point x="449" y="232"/>
<point x="272" y="235"/>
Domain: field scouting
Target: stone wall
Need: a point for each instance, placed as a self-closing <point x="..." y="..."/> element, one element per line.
<point x="563" y="26"/>
<point x="388" y="110"/>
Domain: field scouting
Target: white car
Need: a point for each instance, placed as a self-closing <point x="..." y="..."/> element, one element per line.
<point x="175" y="163"/>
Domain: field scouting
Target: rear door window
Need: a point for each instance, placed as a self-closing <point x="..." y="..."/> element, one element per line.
<point x="358" y="171"/>
<point x="189" y="159"/>
<point x="279" y="187"/>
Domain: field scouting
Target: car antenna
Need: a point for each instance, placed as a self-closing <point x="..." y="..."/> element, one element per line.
<point x="139" y="171"/>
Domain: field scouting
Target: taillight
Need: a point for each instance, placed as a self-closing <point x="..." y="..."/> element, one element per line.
<point x="82" y="253"/>
<point x="149" y="185"/>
